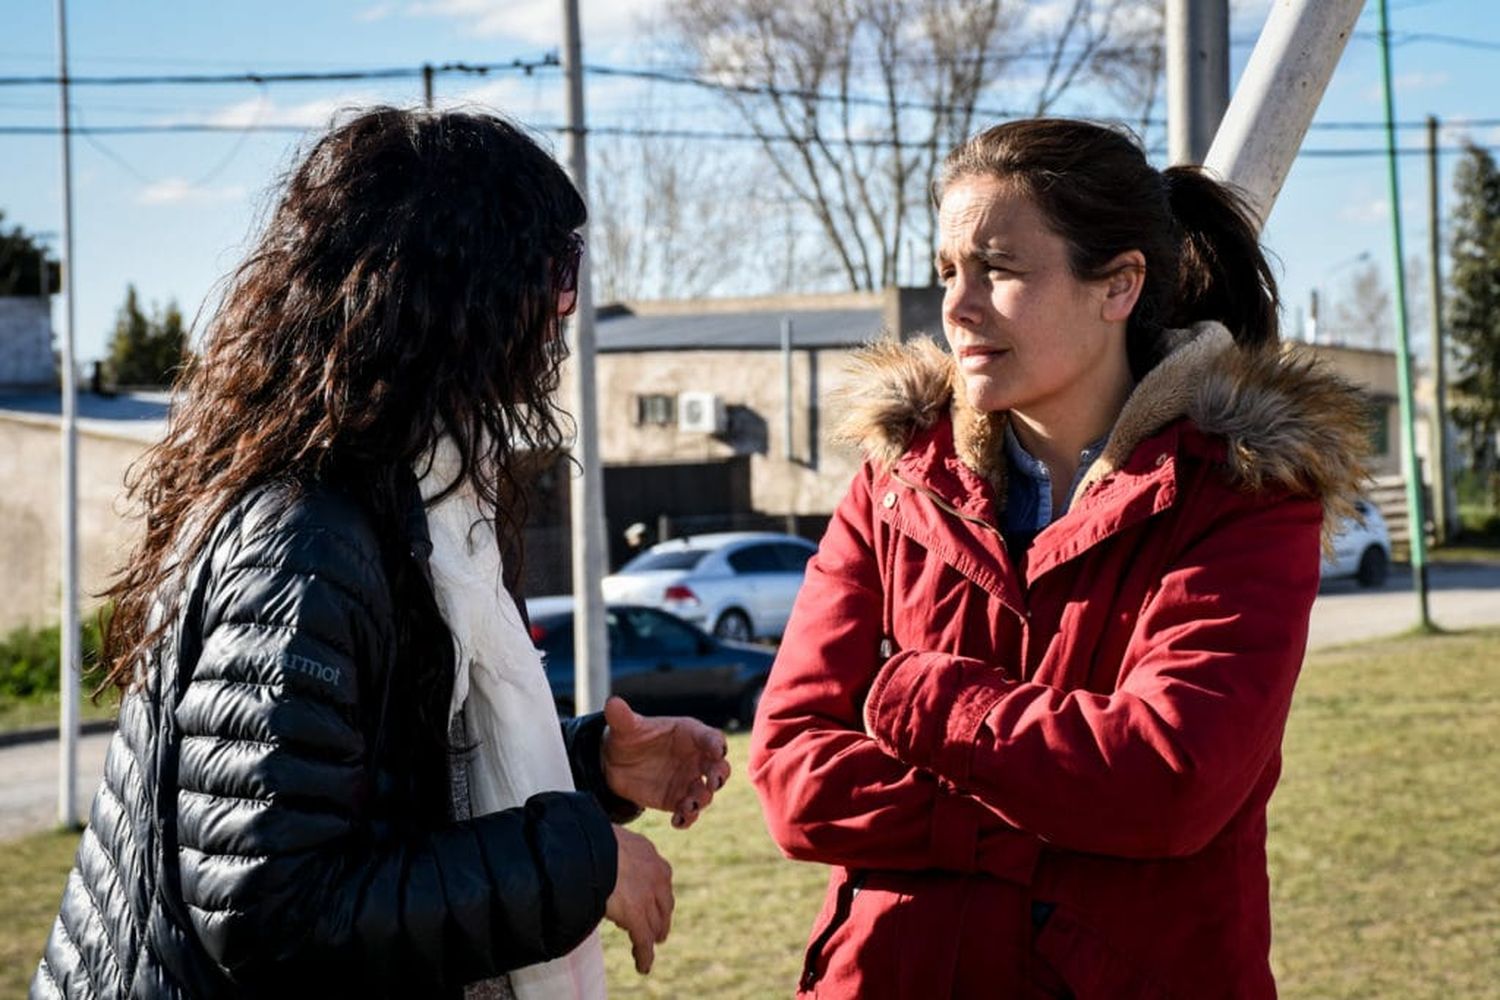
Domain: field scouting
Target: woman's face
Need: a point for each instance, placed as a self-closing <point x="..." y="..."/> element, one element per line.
<point x="1028" y="335"/>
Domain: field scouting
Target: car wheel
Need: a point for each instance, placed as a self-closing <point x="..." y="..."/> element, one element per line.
<point x="1374" y="567"/>
<point x="749" y="702"/>
<point x="734" y="625"/>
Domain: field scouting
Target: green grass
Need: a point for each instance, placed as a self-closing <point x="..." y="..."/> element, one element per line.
<point x="1385" y="849"/>
<point x="1385" y="832"/>
<point x="30" y="713"/>
<point x="32" y="871"/>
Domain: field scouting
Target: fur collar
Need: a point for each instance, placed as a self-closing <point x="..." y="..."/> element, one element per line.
<point x="1287" y="420"/>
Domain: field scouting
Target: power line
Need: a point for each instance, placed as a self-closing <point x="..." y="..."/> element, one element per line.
<point x="550" y="61"/>
<point x="526" y="66"/>
<point x="706" y="135"/>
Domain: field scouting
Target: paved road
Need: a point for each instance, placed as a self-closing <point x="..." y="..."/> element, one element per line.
<point x="1462" y="596"/>
<point x="28" y="783"/>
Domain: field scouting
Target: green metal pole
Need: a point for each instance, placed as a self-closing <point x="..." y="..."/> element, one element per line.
<point x="1416" y="514"/>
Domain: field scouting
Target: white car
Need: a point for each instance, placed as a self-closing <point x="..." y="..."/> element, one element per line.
<point x="738" y="585"/>
<point x="1361" y="550"/>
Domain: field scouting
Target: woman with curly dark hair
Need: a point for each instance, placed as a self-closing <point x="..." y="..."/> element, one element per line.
<point x="335" y="771"/>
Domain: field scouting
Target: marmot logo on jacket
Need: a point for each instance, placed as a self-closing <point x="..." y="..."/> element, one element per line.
<point x="327" y="673"/>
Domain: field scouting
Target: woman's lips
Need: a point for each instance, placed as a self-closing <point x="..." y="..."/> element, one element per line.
<point x="974" y="358"/>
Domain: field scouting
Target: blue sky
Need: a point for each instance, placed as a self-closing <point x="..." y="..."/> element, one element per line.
<point x="173" y="213"/>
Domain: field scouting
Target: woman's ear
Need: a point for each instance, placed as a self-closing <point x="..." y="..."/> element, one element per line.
<point x="1123" y="280"/>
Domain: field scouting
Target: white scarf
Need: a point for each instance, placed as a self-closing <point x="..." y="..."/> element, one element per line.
<point x="501" y="684"/>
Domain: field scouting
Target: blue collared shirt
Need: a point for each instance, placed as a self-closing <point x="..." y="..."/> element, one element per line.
<point x="1028" y="489"/>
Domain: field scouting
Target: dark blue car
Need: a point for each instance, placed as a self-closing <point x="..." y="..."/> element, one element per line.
<point x="658" y="662"/>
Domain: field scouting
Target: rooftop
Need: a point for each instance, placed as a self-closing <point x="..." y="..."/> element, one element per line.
<point x="746" y="329"/>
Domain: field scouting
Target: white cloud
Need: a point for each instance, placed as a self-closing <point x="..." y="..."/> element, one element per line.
<point x="177" y="191"/>
<point x="1367" y="211"/>
<point x="263" y="110"/>
<point x="1413" y="82"/>
<point x="539" y="21"/>
<point x="375" y="12"/>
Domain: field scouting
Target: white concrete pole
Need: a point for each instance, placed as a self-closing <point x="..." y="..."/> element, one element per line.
<point x="1197" y="75"/>
<point x="1278" y="94"/>
<point x="590" y="646"/>
<point x="70" y="668"/>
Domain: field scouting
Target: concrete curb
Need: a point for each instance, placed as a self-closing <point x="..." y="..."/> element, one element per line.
<point x="41" y="734"/>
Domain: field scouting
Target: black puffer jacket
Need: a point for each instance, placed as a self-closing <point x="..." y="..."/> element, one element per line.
<point x="256" y="833"/>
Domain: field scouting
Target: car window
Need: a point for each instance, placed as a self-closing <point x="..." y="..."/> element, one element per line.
<point x="669" y="559"/>
<point x="755" y="559"/>
<point x="557" y="636"/>
<point x="793" y="558"/>
<point x="656" y="634"/>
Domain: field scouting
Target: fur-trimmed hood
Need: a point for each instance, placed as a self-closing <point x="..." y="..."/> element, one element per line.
<point x="1288" y="421"/>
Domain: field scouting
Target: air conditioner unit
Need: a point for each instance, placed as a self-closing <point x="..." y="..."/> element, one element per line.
<point x="700" y="413"/>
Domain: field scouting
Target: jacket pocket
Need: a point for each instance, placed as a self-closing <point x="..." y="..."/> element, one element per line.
<point x="843" y="903"/>
<point x="1092" y="968"/>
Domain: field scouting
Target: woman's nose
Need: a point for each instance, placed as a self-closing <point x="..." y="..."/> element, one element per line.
<point x="961" y="302"/>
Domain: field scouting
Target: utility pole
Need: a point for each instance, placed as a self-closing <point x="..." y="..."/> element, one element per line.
<point x="427" y="86"/>
<point x="1416" y="518"/>
<point x="786" y="387"/>
<point x="70" y="669"/>
<point x="1278" y="95"/>
<point x="590" y="648"/>
<point x="1442" y="514"/>
<point x="1197" y="76"/>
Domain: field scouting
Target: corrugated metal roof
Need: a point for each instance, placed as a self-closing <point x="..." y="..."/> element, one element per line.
<point x="737" y="331"/>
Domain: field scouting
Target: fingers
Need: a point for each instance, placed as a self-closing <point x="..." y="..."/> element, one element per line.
<point x="696" y="799"/>
<point x="666" y="903"/>
<point x="619" y="716"/>
<point x="657" y="920"/>
<point x="643" y="951"/>
<point x="717" y="774"/>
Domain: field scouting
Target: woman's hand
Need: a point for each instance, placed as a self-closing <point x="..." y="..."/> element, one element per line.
<point x="642" y="902"/>
<point x="671" y="763"/>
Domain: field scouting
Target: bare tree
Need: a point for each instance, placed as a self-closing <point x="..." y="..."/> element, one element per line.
<point x="1362" y="313"/>
<point x="659" y="226"/>
<point x="855" y="102"/>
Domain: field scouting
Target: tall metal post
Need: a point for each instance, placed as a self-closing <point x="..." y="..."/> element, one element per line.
<point x="1416" y="518"/>
<point x="1197" y="75"/>
<point x="786" y="387"/>
<point x="1442" y="512"/>
<point x="591" y="651"/>
<point x="1278" y="94"/>
<point x="70" y="668"/>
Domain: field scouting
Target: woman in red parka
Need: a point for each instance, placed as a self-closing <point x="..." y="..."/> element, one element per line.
<point x="1029" y="706"/>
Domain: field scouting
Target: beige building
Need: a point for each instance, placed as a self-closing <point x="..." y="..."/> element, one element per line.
<point x="708" y="383"/>
<point x="705" y="423"/>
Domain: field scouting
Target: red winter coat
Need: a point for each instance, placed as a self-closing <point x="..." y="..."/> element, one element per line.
<point x="1057" y="773"/>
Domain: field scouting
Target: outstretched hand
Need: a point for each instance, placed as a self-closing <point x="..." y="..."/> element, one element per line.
<point x="671" y="763"/>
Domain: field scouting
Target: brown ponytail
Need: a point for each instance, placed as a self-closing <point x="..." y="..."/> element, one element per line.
<point x="1223" y="273"/>
<point x="1094" y="184"/>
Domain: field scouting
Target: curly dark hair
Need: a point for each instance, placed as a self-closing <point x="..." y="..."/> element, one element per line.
<point x="406" y="286"/>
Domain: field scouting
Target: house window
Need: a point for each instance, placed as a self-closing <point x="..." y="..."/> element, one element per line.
<point x="656" y="409"/>
<point x="1380" y="428"/>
